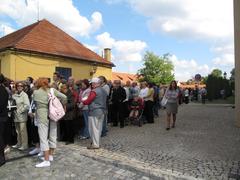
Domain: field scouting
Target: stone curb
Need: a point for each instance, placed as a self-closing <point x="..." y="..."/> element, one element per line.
<point x="121" y="161"/>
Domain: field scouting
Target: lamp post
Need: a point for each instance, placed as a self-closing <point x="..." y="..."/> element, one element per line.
<point x="224" y="75"/>
<point x="94" y="69"/>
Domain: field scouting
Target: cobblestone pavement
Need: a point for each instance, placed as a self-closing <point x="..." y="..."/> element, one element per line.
<point x="204" y="145"/>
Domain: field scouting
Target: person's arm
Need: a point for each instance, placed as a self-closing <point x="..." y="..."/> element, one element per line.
<point x="26" y="104"/>
<point x="123" y="94"/>
<point x="150" y="93"/>
<point x="61" y="96"/>
<point x="70" y="103"/>
<point x="176" y="94"/>
<point x="90" y="98"/>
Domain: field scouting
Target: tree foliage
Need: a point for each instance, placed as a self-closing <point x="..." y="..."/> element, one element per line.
<point x="157" y="69"/>
<point x="216" y="73"/>
<point x="215" y="84"/>
<point x="232" y="78"/>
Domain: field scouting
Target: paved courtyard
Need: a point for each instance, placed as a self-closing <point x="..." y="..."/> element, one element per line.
<point x="204" y="145"/>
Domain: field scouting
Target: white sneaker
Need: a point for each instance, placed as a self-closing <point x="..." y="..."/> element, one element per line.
<point x="43" y="164"/>
<point x="83" y="137"/>
<point x="35" y="151"/>
<point x="22" y="148"/>
<point x="7" y="150"/>
<point x="16" y="146"/>
<point x="40" y="154"/>
<point x="50" y="158"/>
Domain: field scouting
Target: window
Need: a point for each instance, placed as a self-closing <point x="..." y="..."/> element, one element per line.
<point x="65" y="72"/>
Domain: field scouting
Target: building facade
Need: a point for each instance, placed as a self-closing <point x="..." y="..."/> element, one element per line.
<point x="41" y="49"/>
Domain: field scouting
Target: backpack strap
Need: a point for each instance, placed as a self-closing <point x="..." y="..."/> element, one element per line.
<point x="52" y="91"/>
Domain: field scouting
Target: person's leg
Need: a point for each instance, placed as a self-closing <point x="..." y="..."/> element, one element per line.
<point x="104" y="128"/>
<point x="115" y="114"/>
<point x="52" y="136"/>
<point x="23" y="135"/>
<point x="19" y="141"/>
<point x="29" y="131"/>
<point x="71" y="132"/>
<point x="86" y="127"/>
<point x="90" y="126"/>
<point x="174" y="120"/>
<point x="121" y="114"/>
<point x="168" y="121"/>
<point x="131" y="113"/>
<point x="67" y="130"/>
<point x="136" y="113"/>
<point x="97" y="130"/>
<point x="150" y="112"/>
<point x="2" y="144"/>
<point x="43" y="137"/>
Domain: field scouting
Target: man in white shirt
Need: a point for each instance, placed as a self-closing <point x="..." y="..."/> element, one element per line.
<point x="144" y="90"/>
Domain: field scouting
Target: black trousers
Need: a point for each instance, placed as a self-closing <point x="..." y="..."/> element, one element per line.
<point x="2" y="143"/>
<point x="9" y="139"/>
<point x="149" y="111"/>
<point x="118" y="114"/>
<point x="32" y="130"/>
<point x="69" y="130"/>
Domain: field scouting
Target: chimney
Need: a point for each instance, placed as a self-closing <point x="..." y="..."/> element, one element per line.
<point x="107" y="54"/>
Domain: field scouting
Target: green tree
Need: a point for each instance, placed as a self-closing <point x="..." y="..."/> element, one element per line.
<point x="216" y="73"/>
<point x="232" y="79"/>
<point x="232" y="74"/>
<point x="157" y="69"/>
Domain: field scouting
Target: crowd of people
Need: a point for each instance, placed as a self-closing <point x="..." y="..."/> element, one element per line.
<point x="89" y="105"/>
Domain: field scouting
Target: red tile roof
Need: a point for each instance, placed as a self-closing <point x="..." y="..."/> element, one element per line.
<point x="124" y="77"/>
<point x="44" y="37"/>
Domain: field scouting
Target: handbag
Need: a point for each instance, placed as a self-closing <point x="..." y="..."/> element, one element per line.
<point x="164" y="101"/>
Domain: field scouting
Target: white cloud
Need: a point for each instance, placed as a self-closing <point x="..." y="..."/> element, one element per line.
<point x="186" y="69"/>
<point x="124" y="50"/>
<point x="5" y="29"/>
<point x="224" y="60"/>
<point x="204" y="20"/>
<point x="187" y="18"/>
<point x="62" y="13"/>
<point x="225" y="55"/>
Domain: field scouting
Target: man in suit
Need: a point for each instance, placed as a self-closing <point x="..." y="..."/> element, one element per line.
<point x="117" y="98"/>
<point x="3" y="117"/>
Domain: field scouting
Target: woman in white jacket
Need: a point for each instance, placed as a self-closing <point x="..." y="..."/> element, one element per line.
<point x="20" y="117"/>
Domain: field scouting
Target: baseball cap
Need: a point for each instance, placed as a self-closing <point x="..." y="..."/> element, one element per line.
<point x="95" y="80"/>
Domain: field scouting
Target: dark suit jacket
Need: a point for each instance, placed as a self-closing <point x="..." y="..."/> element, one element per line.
<point x="118" y="95"/>
<point x="3" y="103"/>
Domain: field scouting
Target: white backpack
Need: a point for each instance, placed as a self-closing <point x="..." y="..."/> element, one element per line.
<point x="55" y="107"/>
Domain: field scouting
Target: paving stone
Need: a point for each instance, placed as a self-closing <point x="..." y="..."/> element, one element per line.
<point x="204" y="145"/>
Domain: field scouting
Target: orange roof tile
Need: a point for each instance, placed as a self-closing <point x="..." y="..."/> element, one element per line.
<point x="124" y="77"/>
<point x="44" y="37"/>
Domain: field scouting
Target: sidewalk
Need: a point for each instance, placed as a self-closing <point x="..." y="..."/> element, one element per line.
<point x="204" y="145"/>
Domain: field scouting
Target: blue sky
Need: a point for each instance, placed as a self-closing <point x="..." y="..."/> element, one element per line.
<point x="198" y="34"/>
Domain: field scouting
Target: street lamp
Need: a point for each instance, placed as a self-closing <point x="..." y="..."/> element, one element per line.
<point x="94" y="69"/>
<point x="224" y="75"/>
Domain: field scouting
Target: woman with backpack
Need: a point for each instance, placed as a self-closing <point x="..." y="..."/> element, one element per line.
<point x="47" y="129"/>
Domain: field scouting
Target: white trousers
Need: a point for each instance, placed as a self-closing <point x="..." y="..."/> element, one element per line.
<point x="47" y="135"/>
<point x="95" y="124"/>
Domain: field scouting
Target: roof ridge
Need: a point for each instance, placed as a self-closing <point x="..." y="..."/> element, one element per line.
<point x="34" y="25"/>
<point x="74" y="39"/>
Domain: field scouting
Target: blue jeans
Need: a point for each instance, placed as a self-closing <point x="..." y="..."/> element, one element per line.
<point x="85" y="131"/>
<point x="104" y="128"/>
